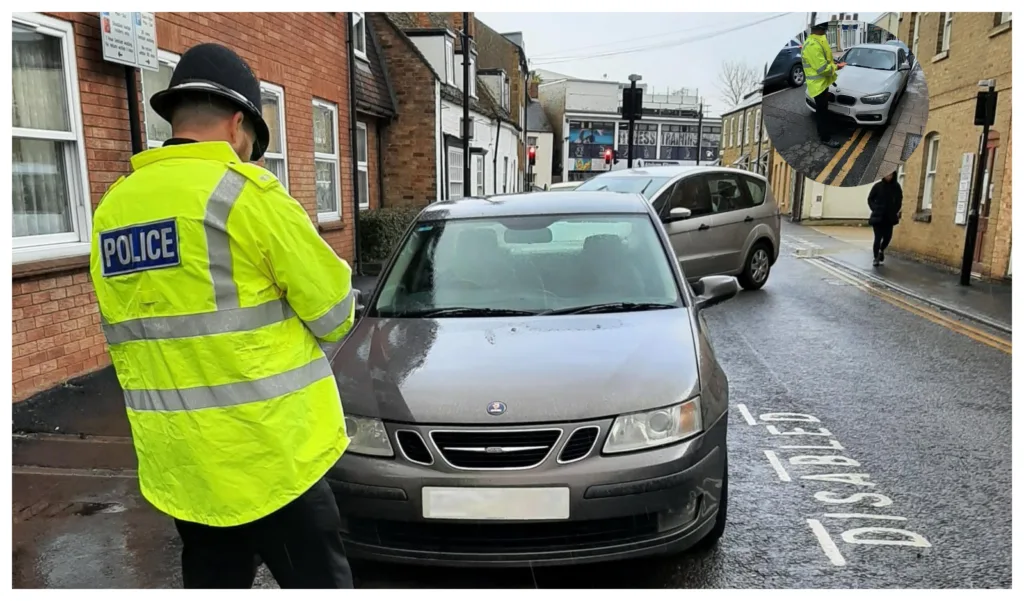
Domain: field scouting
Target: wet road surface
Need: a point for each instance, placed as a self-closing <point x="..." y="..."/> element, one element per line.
<point x="919" y="414"/>
<point x="867" y="152"/>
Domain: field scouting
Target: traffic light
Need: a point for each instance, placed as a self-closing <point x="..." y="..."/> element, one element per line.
<point x="609" y="156"/>
<point x="532" y="154"/>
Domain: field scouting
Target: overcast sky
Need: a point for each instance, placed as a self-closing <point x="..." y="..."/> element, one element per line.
<point x="694" y="65"/>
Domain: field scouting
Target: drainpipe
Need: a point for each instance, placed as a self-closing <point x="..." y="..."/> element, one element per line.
<point x="354" y="141"/>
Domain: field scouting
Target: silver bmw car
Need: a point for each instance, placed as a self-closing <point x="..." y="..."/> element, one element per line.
<point x="531" y="383"/>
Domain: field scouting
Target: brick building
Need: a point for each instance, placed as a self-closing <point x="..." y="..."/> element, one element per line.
<point x="745" y="143"/>
<point x="956" y="51"/>
<point x="71" y="141"/>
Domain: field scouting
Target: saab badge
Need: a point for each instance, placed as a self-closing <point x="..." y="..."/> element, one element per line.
<point x="496" y="408"/>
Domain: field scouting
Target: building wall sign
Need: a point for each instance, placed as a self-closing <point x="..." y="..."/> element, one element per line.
<point x="589" y="139"/>
<point x="645" y="140"/>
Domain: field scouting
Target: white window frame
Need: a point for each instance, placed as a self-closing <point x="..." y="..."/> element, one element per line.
<point x="917" y="34"/>
<point x="76" y="242"/>
<point x="746" y="128"/>
<point x="472" y="75"/>
<point x="930" y="175"/>
<point x="364" y="165"/>
<point x="329" y="216"/>
<point x="478" y="163"/>
<point x="757" y="129"/>
<point x="505" y="93"/>
<point x="276" y="90"/>
<point x="449" y="60"/>
<point x="167" y="59"/>
<point x="359" y="35"/>
<point x="1004" y="18"/>
<point x="453" y="171"/>
<point x="946" y="27"/>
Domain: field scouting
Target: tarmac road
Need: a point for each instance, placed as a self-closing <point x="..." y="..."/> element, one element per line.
<point x="919" y="414"/>
<point x="868" y="152"/>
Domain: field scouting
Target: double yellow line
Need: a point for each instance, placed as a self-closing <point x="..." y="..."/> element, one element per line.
<point x="857" y="141"/>
<point x="935" y="317"/>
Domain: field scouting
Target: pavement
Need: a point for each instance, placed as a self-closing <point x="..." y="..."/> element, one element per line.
<point x="916" y="412"/>
<point x="867" y="153"/>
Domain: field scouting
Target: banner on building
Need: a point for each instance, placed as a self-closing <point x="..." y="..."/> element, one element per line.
<point x="645" y="140"/>
<point x="589" y="139"/>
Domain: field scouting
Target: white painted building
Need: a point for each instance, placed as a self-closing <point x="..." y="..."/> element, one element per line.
<point x="494" y="151"/>
<point x="541" y="137"/>
<point x="585" y="116"/>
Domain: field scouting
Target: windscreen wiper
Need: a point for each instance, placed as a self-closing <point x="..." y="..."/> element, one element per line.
<point x="608" y="308"/>
<point x="466" y="312"/>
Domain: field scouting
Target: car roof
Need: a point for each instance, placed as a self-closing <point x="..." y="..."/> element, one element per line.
<point x="537" y="203"/>
<point x="675" y="171"/>
<point x="874" y="46"/>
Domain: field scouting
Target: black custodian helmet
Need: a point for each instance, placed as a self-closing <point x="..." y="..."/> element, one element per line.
<point x="219" y="71"/>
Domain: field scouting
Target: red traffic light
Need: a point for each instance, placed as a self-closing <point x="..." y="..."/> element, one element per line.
<point x="533" y="151"/>
<point x="608" y="155"/>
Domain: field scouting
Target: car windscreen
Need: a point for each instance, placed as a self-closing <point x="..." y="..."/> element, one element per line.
<point x="647" y="186"/>
<point x="529" y="265"/>
<point x="871" y="58"/>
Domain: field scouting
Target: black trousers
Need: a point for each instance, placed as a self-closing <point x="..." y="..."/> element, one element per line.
<point x="822" y="118"/>
<point x="300" y="543"/>
<point x="883" y="235"/>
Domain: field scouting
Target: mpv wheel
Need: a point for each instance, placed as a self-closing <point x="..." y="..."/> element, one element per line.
<point x="796" y="75"/>
<point x="758" y="266"/>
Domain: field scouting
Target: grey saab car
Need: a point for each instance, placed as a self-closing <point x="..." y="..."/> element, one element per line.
<point x="720" y="221"/>
<point x="531" y="384"/>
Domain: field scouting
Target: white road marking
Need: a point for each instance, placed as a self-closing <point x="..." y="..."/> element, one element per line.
<point x="779" y="468"/>
<point x="827" y="544"/>
<point x="866" y="516"/>
<point x="746" y="414"/>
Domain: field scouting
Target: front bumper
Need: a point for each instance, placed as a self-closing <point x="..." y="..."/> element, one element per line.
<point x="855" y="111"/>
<point x="655" y="502"/>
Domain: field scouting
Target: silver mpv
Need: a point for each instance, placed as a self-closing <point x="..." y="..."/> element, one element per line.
<point x="530" y="384"/>
<point x="721" y="221"/>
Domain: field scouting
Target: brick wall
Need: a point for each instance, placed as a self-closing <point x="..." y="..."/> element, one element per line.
<point x="748" y="119"/>
<point x="978" y="50"/>
<point x="56" y="322"/>
<point x="409" y="162"/>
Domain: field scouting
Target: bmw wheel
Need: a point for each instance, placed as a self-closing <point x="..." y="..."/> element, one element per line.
<point x="758" y="266"/>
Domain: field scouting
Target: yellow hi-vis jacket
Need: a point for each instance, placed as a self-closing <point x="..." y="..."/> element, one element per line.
<point x="819" y="68"/>
<point x="214" y="286"/>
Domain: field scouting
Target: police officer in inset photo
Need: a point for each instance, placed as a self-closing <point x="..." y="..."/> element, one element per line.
<point x="820" y="72"/>
<point x="214" y="289"/>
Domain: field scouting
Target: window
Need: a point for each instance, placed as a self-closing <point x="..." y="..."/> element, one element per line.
<point x="51" y="208"/>
<point x="449" y="61"/>
<point x="692" y="194"/>
<point x="504" y="180"/>
<point x="931" y="165"/>
<point x="362" y="163"/>
<point x="916" y="34"/>
<point x="746" y="128"/>
<point x="757" y="130"/>
<point x="158" y="131"/>
<point x="275" y="159"/>
<point x="529" y="264"/>
<point x="531" y="140"/>
<point x="359" y="34"/>
<point x="472" y="74"/>
<point x="505" y="94"/>
<point x="945" y="29"/>
<point x="725" y="193"/>
<point x="1003" y="18"/>
<point x="756" y="189"/>
<point x="479" y="174"/>
<point x="456" y="175"/>
<point x="325" y="160"/>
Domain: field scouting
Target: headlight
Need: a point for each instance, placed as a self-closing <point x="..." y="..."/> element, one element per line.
<point x="650" y="429"/>
<point x="367" y="436"/>
<point x="876" y="98"/>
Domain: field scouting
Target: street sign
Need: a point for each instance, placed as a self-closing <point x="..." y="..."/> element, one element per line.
<point x="963" y="194"/>
<point x="129" y="39"/>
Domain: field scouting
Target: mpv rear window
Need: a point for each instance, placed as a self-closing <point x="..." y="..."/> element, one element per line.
<point x="757" y="190"/>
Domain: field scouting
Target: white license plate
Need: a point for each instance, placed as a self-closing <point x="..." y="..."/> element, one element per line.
<point x="444" y="503"/>
<point x="838" y="108"/>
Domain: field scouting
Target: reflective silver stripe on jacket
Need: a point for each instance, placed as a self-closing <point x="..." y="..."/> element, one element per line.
<point x="218" y="207"/>
<point x="201" y="324"/>
<point x="335" y="316"/>
<point x="229" y="395"/>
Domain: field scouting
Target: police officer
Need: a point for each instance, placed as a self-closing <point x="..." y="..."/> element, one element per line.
<point x="820" y="72"/>
<point x="214" y="288"/>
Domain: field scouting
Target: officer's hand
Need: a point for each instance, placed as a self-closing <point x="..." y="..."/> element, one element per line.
<point x="840" y="66"/>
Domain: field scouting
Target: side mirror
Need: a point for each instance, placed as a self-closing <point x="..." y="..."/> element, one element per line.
<point x="677" y="214"/>
<point x="715" y="289"/>
<point x="360" y="308"/>
<point x="905" y="66"/>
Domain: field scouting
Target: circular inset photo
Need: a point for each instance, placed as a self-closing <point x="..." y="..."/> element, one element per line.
<point x="845" y="101"/>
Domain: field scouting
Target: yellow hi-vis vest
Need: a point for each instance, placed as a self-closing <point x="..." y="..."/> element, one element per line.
<point x="214" y="286"/>
<point x="819" y="69"/>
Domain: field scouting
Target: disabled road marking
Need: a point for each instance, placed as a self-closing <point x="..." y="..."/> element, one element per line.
<point x="779" y="468"/>
<point x="746" y="414"/>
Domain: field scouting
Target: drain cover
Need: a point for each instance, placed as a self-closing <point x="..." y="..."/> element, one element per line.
<point x="909" y="146"/>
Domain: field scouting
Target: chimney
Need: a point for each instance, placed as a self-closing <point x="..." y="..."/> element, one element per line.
<point x="422" y="20"/>
<point x="456" y="20"/>
<point x="534" y="88"/>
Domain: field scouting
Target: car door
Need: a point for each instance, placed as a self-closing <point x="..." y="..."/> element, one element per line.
<point x="731" y="221"/>
<point x="690" y="237"/>
<point x="901" y="57"/>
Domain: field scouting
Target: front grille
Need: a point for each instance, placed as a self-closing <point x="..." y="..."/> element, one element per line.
<point x="495" y="449"/>
<point x="831" y="97"/>
<point x="458" y="537"/>
<point x="846" y="100"/>
<point x="414" y="448"/>
<point x="579" y="444"/>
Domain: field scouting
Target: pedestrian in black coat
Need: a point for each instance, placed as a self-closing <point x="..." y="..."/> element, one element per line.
<point x="886" y="203"/>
